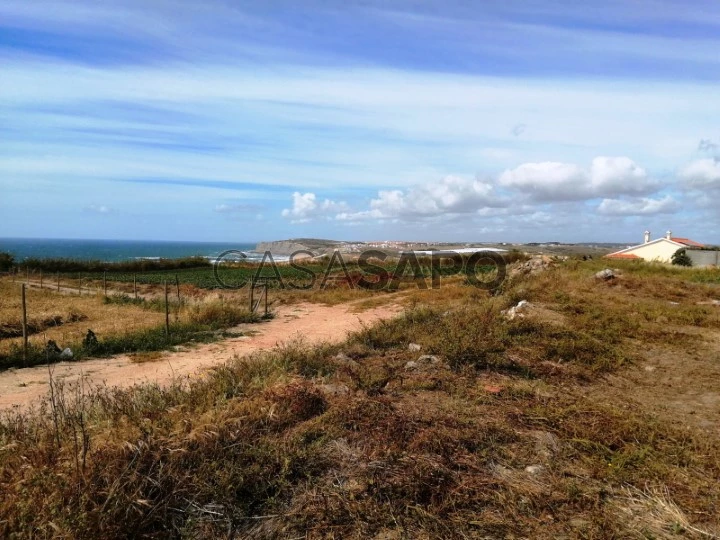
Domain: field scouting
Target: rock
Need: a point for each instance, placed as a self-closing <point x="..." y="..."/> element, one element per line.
<point x="344" y="360"/>
<point x="414" y="347"/>
<point x="67" y="353"/>
<point x="605" y="275"/>
<point x="535" y="469"/>
<point x="411" y="365"/>
<point x="577" y="523"/>
<point x="537" y="264"/>
<point x="492" y="389"/>
<point x="662" y="319"/>
<point x="429" y="359"/>
<point x="547" y="444"/>
<point x="334" y="389"/>
<point x="517" y="311"/>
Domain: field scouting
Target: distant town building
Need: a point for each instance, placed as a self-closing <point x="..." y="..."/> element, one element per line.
<point x="660" y="250"/>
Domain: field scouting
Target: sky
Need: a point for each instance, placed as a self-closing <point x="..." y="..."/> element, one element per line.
<point x="452" y="120"/>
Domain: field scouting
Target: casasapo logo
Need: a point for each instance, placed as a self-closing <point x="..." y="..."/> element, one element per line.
<point x="371" y="270"/>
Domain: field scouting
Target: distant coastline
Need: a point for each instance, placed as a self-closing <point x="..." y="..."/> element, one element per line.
<point x="116" y="250"/>
<point x="128" y="250"/>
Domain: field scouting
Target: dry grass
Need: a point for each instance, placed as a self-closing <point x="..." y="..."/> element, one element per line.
<point x="74" y="313"/>
<point x="497" y="439"/>
<point x="142" y="357"/>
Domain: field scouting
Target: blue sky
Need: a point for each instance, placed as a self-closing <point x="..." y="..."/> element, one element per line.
<point x="452" y="120"/>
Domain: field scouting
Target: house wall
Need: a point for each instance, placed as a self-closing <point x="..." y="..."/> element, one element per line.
<point x="704" y="258"/>
<point x="658" y="251"/>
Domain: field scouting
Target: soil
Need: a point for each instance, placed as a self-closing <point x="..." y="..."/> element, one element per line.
<point x="312" y="323"/>
<point x="676" y="385"/>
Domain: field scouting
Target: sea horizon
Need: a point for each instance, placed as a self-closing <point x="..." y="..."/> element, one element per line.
<point x="113" y="250"/>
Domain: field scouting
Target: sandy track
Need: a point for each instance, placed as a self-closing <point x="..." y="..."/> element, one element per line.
<point x="311" y="322"/>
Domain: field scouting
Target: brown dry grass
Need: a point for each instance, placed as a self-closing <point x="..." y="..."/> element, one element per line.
<point x="498" y="439"/>
<point x="75" y="315"/>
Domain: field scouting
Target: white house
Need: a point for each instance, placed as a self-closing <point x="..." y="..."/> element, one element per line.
<point x="660" y="250"/>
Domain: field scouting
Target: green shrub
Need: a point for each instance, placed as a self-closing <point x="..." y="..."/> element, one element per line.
<point x="7" y="261"/>
<point x="681" y="258"/>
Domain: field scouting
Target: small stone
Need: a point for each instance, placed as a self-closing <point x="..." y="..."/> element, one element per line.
<point x="577" y="523"/>
<point x="547" y="443"/>
<point x="605" y="275"/>
<point x="344" y="360"/>
<point x="414" y="347"/>
<point x="411" y="365"/>
<point x="535" y="469"/>
<point x="334" y="389"/>
<point x="492" y="389"/>
<point x="429" y="359"/>
<point x="67" y="353"/>
<point x="517" y="311"/>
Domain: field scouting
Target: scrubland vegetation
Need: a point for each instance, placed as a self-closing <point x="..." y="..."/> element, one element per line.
<point x="495" y="428"/>
<point x="121" y="322"/>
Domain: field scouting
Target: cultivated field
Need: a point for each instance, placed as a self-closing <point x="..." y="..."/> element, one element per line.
<point x="593" y="411"/>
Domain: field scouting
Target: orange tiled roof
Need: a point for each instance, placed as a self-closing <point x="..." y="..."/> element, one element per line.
<point x="622" y="256"/>
<point x="687" y="242"/>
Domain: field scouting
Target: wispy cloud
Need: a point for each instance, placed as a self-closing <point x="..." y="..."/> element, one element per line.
<point x="408" y="112"/>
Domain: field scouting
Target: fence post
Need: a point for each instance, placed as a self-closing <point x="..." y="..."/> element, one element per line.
<point x="41" y="280"/>
<point x="24" y="327"/>
<point x="105" y="283"/>
<point x="58" y="282"/>
<point x="266" y="299"/>
<point x="167" y="311"/>
<point x="177" y="287"/>
<point x="252" y="299"/>
<point x="80" y="285"/>
<point x="135" y="285"/>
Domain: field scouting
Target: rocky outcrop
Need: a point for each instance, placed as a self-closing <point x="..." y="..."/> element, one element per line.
<point x="288" y="247"/>
<point x="537" y="264"/>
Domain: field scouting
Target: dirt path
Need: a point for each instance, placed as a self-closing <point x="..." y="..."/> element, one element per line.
<point x="312" y="322"/>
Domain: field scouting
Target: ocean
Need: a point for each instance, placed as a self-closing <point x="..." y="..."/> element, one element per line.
<point x="118" y="250"/>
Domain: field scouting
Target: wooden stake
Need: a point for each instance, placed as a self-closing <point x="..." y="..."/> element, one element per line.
<point x="177" y="287"/>
<point x="167" y="311"/>
<point x="41" y="281"/>
<point x="252" y="300"/>
<point x="80" y="285"/>
<point x="24" y="327"/>
<point x="266" y="300"/>
<point x="135" y="285"/>
<point x="58" y="282"/>
<point x="105" y="283"/>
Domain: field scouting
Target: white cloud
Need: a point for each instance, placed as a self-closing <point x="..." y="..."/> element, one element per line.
<point x="702" y="174"/>
<point x="547" y="181"/>
<point x="553" y="181"/>
<point x="619" y="175"/>
<point x="306" y="207"/>
<point x="638" y="207"/>
<point x="240" y="208"/>
<point x="450" y="196"/>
